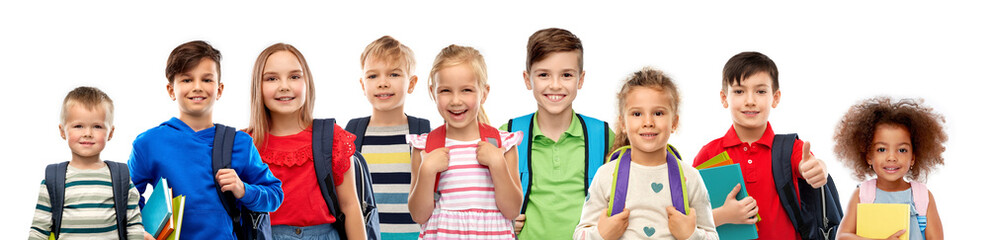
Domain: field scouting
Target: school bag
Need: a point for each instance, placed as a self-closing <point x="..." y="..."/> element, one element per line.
<point x="55" y="183"/>
<point x="594" y="150"/>
<point x="322" y="158"/>
<point x="921" y="199"/>
<point x="368" y="204"/>
<point x="247" y="224"/>
<point x="437" y="139"/>
<point x="622" y="170"/>
<point x="814" y="213"/>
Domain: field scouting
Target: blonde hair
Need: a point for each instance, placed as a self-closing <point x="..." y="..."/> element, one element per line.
<point x="391" y="50"/>
<point x="454" y="55"/>
<point x="260" y="115"/>
<point x="90" y="98"/>
<point x="650" y="78"/>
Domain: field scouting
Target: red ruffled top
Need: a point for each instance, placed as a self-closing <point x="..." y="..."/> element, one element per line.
<point x="290" y="160"/>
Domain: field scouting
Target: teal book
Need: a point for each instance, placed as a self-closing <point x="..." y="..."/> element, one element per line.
<point x="720" y="181"/>
<point x="157" y="209"/>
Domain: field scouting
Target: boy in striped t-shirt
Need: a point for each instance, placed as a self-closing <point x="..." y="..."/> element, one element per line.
<point x="388" y="67"/>
<point x="88" y="207"/>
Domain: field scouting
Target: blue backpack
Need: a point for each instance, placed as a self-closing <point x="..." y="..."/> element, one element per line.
<point x="595" y="150"/>
<point x="55" y="183"/>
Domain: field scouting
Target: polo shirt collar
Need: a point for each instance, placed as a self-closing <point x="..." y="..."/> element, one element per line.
<point x="574" y="129"/>
<point x="731" y="138"/>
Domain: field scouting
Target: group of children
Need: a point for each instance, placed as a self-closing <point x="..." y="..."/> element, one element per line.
<point x="550" y="174"/>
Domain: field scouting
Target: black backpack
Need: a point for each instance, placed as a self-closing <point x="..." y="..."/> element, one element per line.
<point x="322" y="158"/>
<point x="358" y="127"/>
<point x="816" y="213"/>
<point x="55" y="182"/>
<point x="247" y="224"/>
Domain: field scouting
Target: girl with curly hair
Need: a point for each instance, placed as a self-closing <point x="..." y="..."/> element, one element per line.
<point x="894" y="141"/>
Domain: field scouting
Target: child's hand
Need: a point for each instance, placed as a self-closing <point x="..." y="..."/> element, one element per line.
<point x="812" y="169"/>
<point x="436" y="161"/>
<point x="612" y="227"/>
<point x="519" y="223"/>
<point x="896" y="235"/>
<point x="230" y="182"/>
<point x="488" y="154"/>
<point x="147" y="236"/>
<point x="681" y="226"/>
<point x="739" y="212"/>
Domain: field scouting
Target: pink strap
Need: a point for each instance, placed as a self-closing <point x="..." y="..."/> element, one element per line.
<point x="921" y="197"/>
<point x="866" y="191"/>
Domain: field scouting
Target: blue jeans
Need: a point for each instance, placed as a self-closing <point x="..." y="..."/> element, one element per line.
<point x="317" y="232"/>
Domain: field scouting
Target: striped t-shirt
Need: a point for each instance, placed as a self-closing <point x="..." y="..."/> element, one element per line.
<point x="388" y="158"/>
<point x="88" y="211"/>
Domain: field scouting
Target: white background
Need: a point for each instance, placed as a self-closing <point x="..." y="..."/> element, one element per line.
<point x="830" y="56"/>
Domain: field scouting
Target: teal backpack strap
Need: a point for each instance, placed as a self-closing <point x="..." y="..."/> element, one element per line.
<point x="525" y="125"/>
<point x="595" y="147"/>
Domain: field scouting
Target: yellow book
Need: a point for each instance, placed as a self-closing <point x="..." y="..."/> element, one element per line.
<point x="179" y="212"/>
<point x="881" y="220"/>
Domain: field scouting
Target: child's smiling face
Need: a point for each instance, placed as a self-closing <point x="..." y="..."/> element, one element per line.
<point x="386" y="82"/>
<point x="751" y="101"/>
<point x="197" y="89"/>
<point x="891" y="152"/>
<point x="555" y="80"/>
<point x="458" y="96"/>
<point x="86" y="130"/>
<point x="283" y="84"/>
<point x="649" y="119"/>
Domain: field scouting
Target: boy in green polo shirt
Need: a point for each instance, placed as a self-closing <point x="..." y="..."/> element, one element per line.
<point x="561" y="150"/>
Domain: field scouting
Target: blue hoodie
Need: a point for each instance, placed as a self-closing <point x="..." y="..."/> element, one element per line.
<point x="174" y="151"/>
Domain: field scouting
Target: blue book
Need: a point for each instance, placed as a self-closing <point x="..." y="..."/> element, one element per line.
<point x="720" y="181"/>
<point x="157" y="209"/>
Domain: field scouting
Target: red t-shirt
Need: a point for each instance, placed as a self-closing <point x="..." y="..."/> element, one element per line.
<point x="290" y="160"/>
<point x="756" y="167"/>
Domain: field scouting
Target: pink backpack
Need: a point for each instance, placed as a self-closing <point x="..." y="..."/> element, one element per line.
<point x="921" y="198"/>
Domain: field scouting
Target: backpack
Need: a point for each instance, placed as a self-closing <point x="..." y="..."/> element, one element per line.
<point x="812" y="219"/>
<point x="921" y="199"/>
<point x="594" y="150"/>
<point x="247" y="224"/>
<point x="622" y="170"/>
<point x="363" y="179"/>
<point x="322" y="158"/>
<point x="55" y="183"/>
<point x="437" y="139"/>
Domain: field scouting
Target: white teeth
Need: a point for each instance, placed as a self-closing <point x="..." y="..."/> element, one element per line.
<point x="284" y="98"/>
<point x="554" y="97"/>
<point x="198" y="98"/>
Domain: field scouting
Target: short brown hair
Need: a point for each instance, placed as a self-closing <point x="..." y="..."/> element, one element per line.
<point x="90" y="98"/>
<point x="186" y="56"/>
<point x="551" y="40"/>
<point x="745" y="64"/>
<point x="391" y="50"/>
<point x="856" y="131"/>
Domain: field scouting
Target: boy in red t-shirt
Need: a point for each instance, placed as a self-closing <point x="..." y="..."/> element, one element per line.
<point x="750" y="89"/>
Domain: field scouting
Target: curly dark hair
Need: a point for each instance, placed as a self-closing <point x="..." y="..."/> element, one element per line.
<point x="856" y="131"/>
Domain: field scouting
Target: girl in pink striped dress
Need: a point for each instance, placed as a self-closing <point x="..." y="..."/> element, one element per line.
<point x="478" y="183"/>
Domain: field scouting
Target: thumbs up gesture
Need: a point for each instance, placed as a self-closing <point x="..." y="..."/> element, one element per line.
<point x="812" y="169"/>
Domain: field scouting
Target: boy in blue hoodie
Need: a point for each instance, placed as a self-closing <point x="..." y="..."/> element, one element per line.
<point x="180" y="150"/>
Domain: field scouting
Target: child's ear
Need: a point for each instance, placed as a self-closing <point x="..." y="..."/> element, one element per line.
<point x="110" y="136"/>
<point x="61" y="132"/>
<point x="219" y="91"/>
<point x="528" y="81"/>
<point x="171" y="91"/>
<point x="411" y="83"/>
<point x="723" y="98"/>
<point x="775" y="98"/>
<point x="675" y="123"/>
<point x="582" y="75"/>
<point x="487" y="89"/>
<point x="362" y="88"/>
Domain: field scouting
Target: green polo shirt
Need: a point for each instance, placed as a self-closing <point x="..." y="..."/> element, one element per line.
<point x="556" y="198"/>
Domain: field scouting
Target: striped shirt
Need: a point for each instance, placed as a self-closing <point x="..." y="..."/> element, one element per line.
<point x="389" y="161"/>
<point x="88" y="211"/>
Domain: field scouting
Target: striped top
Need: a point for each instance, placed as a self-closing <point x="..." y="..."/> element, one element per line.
<point x="389" y="161"/>
<point x="466" y="207"/>
<point x="88" y="211"/>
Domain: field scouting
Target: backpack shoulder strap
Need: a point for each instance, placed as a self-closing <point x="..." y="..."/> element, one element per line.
<point x="594" y="147"/>
<point x="490" y="134"/>
<point x="418" y="125"/>
<point x="358" y="126"/>
<point x="222" y="158"/>
<point x="525" y="125"/>
<point x="322" y="155"/>
<point x="619" y="185"/>
<point x="677" y="180"/>
<point x="782" y="146"/>
<point x="120" y="178"/>
<point x="866" y="191"/>
<point x="55" y="183"/>
<point x="921" y="197"/>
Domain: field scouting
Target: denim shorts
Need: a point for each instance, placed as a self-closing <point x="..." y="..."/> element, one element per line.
<point x="317" y="232"/>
